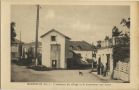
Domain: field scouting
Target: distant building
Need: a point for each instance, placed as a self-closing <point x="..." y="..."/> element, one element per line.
<point x="30" y="47"/>
<point x="80" y="55"/>
<point x="16" y="49"/>
<point x="83" y="48"/>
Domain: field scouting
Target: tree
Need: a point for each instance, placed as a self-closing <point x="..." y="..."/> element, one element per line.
<point x="126" y="22"/>
<point x="13" y="33"/>
<point x="99" y="44"/>
<point x="115" y="31"/>
<point x="121" y="52"/>
<point x="107" y="38"/>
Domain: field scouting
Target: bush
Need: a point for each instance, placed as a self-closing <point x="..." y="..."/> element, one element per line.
<point x="39" y="68"/>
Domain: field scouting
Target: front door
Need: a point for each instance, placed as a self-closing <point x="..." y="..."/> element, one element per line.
<point x="55" y="55"/>
<point x="54" y="63"/>
<point x="108" y="61"/>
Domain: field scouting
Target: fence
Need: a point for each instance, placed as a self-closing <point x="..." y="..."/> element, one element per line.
<point x="122" y="71"/>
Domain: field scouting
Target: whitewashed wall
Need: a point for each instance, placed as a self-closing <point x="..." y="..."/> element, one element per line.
<point x="85" y="54"/>
<point x="46" y="47"/>
<point x="102" y="53"/>
<point x="15" y="52"/>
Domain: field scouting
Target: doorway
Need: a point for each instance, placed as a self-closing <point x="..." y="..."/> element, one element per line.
<point x="54" y="63"/>
<point x="108" y="61"/>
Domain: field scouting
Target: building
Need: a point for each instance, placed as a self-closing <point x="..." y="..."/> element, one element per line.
<point x="59" y="52"/>
<point x="54" y="49"/>
<point x="110" y="51"/>
<point x="104" y="55"/>
<point x="80" y="55"/>
<point x="30" y="47"/>
<point x="83" y="48"/>
<point x="16" y="49"/>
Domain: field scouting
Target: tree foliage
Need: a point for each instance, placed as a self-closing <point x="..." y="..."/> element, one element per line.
<point x="122" y="50"/>
<point x="107" y="38"/>
<point x="115" y="31"/>
<point x="99" y="44"/>
<point x="125" y="22"/>
<point x="120" y="53"/>
<point x="13" y="33"/>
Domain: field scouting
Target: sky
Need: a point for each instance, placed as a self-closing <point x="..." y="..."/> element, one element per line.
<point x="79" y="22"/>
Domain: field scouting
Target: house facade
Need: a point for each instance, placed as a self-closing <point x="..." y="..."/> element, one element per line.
<point x="104" y="55"/>
<point x="16" y="49"/>
<point x="54" y="49"/>
<point x="59" y="52"/>
<point x="30" y="47"/>
<point x="110" y="52"/>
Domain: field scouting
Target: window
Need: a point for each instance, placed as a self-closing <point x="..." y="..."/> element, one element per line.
<point x="53" y="38"/>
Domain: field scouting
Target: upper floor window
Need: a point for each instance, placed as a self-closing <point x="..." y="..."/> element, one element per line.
<point x="53" y="38"/>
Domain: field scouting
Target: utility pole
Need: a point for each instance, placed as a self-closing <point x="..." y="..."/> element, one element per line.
<point x="36" y="42"/>
<point x="20" y="47"/>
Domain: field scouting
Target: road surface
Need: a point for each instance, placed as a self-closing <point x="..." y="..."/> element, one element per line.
<point x="23" y="74"/>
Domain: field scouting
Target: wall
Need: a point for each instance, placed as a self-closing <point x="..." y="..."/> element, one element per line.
<point x="15" y="51"/>
<point x="122" y="71"/>
<point x="46" y="47"/>
<point x="68" y="54"/>
<point x="102" y="52"/>
<point x="14" y="48"/>
<point x="85" y="54"/>
<point x="27" y="48"/>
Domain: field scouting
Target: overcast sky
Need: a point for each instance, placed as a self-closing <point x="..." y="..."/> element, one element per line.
<point x="79" y="22"/>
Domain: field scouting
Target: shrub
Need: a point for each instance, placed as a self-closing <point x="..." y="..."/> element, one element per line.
<point x="39" y="68"/>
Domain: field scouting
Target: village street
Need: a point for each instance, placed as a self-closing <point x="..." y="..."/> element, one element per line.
<point x="22" y="74"/>
<point x="54" y="51"/>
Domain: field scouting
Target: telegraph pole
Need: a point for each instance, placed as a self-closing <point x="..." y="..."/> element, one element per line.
<point x="20" y="49"/>
<point x="36" y="42"/>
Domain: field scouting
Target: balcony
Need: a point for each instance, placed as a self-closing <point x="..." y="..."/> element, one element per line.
<point x="122" y="41"/>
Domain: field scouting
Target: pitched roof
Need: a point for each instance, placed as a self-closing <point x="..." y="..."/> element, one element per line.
<point x="33" y="43"/>
<point x="81" y="45"/>
<point x="53" y="30"/>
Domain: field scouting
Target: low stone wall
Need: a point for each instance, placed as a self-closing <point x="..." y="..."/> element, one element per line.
<point x="121" y="71"/>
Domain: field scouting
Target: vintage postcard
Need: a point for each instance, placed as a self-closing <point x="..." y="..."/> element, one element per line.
<point x="68" y="44"/>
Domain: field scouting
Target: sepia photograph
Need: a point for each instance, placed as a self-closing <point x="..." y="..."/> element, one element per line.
<point x="70" y="43"/>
